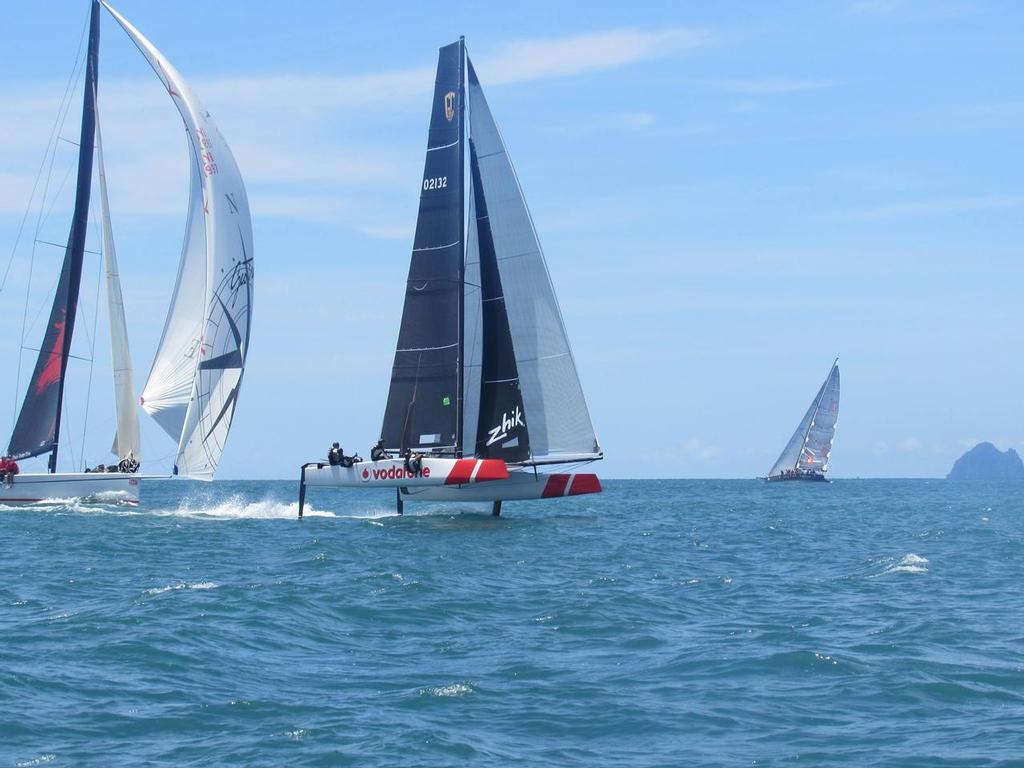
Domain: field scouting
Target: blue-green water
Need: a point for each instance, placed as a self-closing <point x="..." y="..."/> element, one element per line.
<point x="661" y="623"/>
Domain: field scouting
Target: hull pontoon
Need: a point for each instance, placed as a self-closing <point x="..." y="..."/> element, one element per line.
<point x="118" y="487"/>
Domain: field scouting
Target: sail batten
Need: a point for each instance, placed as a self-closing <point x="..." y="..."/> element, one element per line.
<point x="193" y="388"/>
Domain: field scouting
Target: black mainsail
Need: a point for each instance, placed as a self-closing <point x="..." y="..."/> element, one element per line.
<point x="37" y="430"/>
<point x="501" y="425"/>
<point x="424" y="403"/>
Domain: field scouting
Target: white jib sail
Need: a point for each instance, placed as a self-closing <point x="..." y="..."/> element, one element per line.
<point x="127" y="440"/>
<point x="193" y="387"/>
<point x="811" y="443"/>
<point x="556" y="410"/>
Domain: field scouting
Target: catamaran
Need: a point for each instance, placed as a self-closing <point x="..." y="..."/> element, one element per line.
<point x="485" y="402"/>
<point x="192" y="390"/>
<point x="807" y="453"/>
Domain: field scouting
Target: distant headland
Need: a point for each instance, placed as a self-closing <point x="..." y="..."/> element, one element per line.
<point x="986" y="462"/>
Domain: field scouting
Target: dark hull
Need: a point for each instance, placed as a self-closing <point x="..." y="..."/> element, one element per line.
<point x="808" y="478"/>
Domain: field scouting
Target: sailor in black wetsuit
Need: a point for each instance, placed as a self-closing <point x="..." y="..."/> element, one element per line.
<point x="335" y="455"/>
<point x="377" y="453"/>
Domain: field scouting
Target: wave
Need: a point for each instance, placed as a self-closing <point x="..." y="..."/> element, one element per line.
<point x="181" y="585"/>
<point x="909" y="563"/>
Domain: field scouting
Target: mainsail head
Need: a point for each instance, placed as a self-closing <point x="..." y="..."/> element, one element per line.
<point x="193" y="387"/>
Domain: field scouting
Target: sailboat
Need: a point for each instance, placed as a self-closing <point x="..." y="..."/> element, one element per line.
<point x="192" y="390"/>
<point x="485" y="403"/>
<point x="807" y="453"/>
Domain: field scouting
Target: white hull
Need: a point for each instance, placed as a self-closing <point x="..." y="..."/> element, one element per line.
<point x="89" y="486"/>
<point x="521" y="485"/>
<point x="391" y="473"/>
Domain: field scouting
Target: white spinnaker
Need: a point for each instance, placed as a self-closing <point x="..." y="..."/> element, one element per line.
<point x="207" y="331"/>
<point x="127" y="440"/>
<point x="556" y="410"/>
<point x="795" y="454"/>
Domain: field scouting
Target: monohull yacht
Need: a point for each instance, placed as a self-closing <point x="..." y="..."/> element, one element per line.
<point x="193" y="386"/>
<point x="806" y="455"/>
<point x="485" y="403"/>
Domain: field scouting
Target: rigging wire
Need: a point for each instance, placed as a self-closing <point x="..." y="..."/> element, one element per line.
<point x="72" y="78"/>
<point x="51" y="152"/>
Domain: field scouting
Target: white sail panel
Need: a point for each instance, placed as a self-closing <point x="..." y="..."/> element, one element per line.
<point x="169" y="388"/>
<point x="559" y="421"/>
<point x="217" y="359"/>
<point x="818" y="446"/>
<point x="815" y="429"/>
<point x="126" y="441"/>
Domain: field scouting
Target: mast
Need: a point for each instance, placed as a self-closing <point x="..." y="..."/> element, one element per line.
<point x="37" y="430"/>
<point x="460" y="394"/>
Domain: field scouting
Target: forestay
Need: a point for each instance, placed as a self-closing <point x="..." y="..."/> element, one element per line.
<point x="193" y="387"/>
<point x="559" y="421"/>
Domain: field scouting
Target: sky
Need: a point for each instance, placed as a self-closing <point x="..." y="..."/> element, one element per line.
<point x="728" y="195"/>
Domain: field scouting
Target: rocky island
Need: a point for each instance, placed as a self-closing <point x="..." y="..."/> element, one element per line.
<point x="986" y="462"/>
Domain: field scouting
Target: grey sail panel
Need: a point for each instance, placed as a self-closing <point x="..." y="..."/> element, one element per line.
<point x="502" y="432"/>
<point x="423" y="406"/>
<point x="559" y="421"/>
<point x="472" y="345"/>
<point x="37" y="430"/>
<point x="815" y="428"/>
<point x="817" y="447"/>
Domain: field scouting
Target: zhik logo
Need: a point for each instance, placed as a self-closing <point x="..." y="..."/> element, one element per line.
<point x="508" y="423"/>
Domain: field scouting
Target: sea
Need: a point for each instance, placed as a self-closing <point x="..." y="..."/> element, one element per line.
<point x="661" y="623"/>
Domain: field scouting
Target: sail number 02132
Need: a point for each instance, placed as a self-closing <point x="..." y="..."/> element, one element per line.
<point x="435" y="182"/>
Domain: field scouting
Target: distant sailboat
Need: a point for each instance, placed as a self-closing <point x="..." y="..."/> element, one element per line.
<point x="483" y="366"/>
<point x="807" y="453"/>
<point x="193" y="388"/>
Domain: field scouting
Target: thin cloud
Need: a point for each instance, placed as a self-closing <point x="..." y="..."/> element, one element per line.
<point x="528" y="60"/>
<point x="770" y="85"/>
<point x="951" y="206"/>
<point x="282" y="128"/>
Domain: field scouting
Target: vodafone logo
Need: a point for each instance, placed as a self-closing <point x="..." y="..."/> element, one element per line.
<point x="392" y="473"/>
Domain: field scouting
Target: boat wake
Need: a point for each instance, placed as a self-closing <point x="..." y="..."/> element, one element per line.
<point x="239" y="508"/>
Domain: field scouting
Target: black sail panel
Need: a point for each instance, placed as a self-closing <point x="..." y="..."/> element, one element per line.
<point x="37" y="430"/>
<point x="424" y="399"/>
<point x="502" y="432"/>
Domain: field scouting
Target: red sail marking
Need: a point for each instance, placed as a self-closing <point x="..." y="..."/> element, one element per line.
<point x="585" y="483"/>
<point x="555" y="486"/>
<point x="52" y="370"/>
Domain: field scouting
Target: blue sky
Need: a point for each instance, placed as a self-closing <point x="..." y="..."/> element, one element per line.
<point x="728" y="196"/>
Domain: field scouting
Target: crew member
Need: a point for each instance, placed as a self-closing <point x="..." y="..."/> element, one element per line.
<point x="8" y="469"/>
<point x="335" y="455"/>
<point x="377" y="453"/>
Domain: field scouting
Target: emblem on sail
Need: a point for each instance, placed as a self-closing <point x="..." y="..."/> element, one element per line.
<point x="449" y="105"/>
<point x="508" y="423"/>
